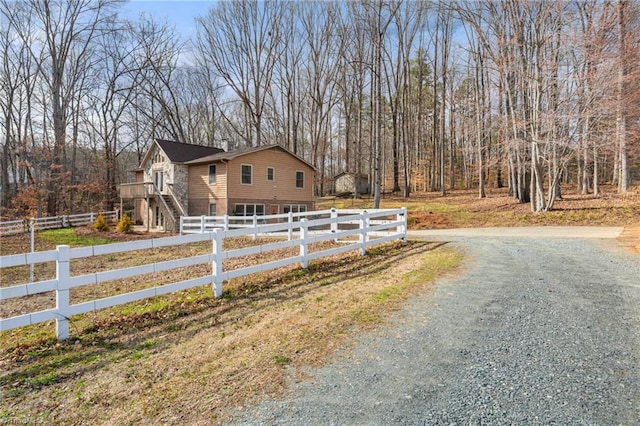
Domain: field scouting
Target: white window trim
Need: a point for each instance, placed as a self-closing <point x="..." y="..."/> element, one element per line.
<point x="274" y="174"/>
<point x="251" y="167"/>
<point x="296" y="183"/>
<point x="235" y="207"/>
<point x="300" y="208"/>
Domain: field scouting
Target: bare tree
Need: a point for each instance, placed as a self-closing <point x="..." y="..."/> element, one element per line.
<point x="242" y="42"/>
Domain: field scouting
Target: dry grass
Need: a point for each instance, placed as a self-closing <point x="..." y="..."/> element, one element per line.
<point x="188" y="358"/>
<point x="463" y="209"/>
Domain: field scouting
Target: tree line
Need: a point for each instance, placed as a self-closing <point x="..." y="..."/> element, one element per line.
<point x="418" y="95"/>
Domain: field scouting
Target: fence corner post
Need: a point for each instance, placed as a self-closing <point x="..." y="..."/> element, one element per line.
<point x="403" y="228"/>
<point x="216" y="263"/>
<point x="304" y="248"/>
<point x="62" y="292"/>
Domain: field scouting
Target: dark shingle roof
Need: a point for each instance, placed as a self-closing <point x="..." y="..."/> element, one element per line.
<point x="240" y="152"/>
<point x="179" y="152"/>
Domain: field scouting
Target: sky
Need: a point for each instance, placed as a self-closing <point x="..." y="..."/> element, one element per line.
<point x="181" y="14"/>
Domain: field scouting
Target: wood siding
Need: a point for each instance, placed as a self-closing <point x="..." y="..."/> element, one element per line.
<point x="284" y="185"/>
<point x="229" y="190"/>
<point x="201" y="194"/>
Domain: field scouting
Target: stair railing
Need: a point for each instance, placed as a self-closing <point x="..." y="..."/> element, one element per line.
<point x="175" y="201"/>
<point x="167" y="211"/>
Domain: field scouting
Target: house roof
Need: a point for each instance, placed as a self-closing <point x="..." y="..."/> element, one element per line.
<point x="178" y="152"/>
<point x="360" y="175"/>
<point x="226" y="156"/>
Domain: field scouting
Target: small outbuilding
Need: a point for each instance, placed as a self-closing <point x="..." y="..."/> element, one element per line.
<point x="352" y="183"/>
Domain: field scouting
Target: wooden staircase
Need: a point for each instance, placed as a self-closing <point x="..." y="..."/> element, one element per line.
<point x="175" y="212"/>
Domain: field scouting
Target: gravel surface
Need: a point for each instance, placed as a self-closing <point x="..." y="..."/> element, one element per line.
<point x="534" y="331"/>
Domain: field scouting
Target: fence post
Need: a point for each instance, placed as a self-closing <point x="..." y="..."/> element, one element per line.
<point x="62" y="292"/>
<point x="226" y="222"/>
<point x="32" y="231"/>
<point x="364" y="237"/>
<point x="304" y="248"/>
<point x="255" y="226"/>
<point x="216" y="264"/>
<point x="290" y="228"/>
<point x="402" y="228"/>
<point x="202" y="224"/>
<point x="334" y="225"/>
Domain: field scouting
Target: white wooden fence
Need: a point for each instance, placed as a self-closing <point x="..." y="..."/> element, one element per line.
<point x="364" y="228"/>
<point x="53" y="222"/>
<point x="200" y="224"/>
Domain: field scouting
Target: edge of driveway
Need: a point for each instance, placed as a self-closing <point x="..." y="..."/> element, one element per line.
<point x="595" y="232"/>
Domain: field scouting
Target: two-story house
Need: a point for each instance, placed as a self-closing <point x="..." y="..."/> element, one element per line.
<point x="177" y="179"/>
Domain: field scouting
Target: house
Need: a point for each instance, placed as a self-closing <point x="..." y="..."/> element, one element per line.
<point x="352" y="183"/>
<point x="177" y="179"/>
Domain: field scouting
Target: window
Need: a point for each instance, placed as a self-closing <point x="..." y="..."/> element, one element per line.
<point x="299" y="179"/>
<point x="247" y="174"/>
<point x="212" y="175"/>
<point x="271" y="174"/>
<point x="212" y="210"/>
<point x="158" y="180"/>
<point x="249" y="209"/>
<point x="294" y="208"/>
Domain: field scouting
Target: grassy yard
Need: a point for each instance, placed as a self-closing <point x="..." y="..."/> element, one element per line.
<point x="188" y="358"/>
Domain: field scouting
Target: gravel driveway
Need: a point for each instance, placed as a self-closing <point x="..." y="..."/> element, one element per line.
<point x="536" y="330"/>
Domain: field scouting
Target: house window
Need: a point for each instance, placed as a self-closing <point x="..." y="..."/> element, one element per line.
<point x="299" y="179"/>
<point x="294" y="208"/>
<point x="247" y="174"/>
<point x="249" y="209"/>
<point x="212" y="174"/>
<point x="212" y="210"/>
<point x="271" y="174"/>
<point x="158" y="180"/>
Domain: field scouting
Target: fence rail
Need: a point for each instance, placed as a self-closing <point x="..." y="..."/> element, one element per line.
<point x="200" y="224"/>
<point x="371" y="227"/>
<point x="53" y="222"/>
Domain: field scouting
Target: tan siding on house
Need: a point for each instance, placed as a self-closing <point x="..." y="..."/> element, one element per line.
<point x="284" y="185"/>
<point x="201" y="194"/>
<point x="228" y="190"/>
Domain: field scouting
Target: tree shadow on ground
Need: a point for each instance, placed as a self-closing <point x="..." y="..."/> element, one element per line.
<point x="105" y="338"/>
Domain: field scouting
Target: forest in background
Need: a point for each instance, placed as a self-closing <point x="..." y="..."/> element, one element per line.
<point x="418" y="95"/>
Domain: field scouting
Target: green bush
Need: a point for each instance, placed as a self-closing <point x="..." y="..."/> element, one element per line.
<point x="125" y="225"/>
<point x="101" y="224"/>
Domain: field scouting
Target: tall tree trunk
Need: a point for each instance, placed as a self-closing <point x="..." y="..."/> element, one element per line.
<point x="621" y="120"/>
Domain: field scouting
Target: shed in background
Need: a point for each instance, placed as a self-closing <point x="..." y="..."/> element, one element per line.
<point x="352" y="183"/>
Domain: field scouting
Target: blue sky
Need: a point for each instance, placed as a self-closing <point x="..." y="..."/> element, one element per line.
<point x="175" y="12"/>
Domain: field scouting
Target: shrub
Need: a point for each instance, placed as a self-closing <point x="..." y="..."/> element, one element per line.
<point x="125" y="225"/>
<point x="101" y="224"/>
